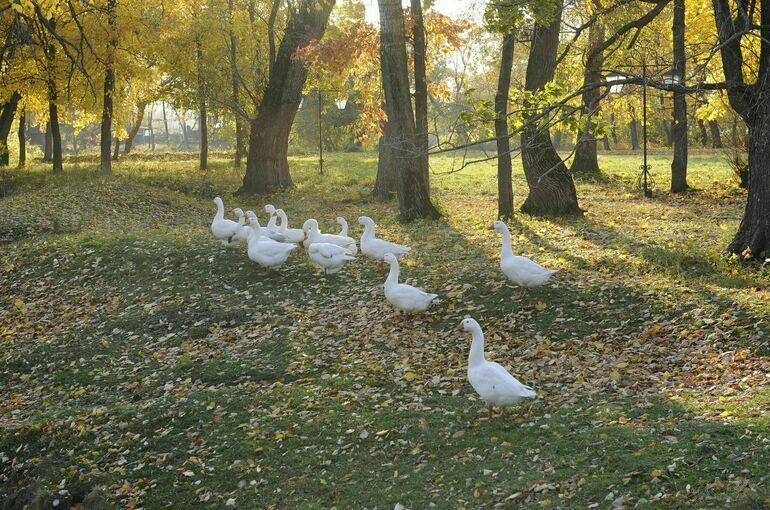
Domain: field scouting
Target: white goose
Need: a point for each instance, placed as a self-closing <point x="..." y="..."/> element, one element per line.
<point x="223" y="229"/>
<point x="242" y="234"/>
<point x="263" y="250"/>
<point x="344" y="224"/>
<point x="329" y="257"/>
<point x="404" y="297"/>
<point x="313" y="235"/>
<point x="494" y="384"/>
<point x="520" y="270"/>
<point x="292" y="235"/>
<point x="272" y="222"/>
<point x="377" y="248"/>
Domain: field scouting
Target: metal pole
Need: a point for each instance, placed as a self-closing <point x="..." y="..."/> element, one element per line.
<point x="320" y="133"/>
<point x="644" y="127"/>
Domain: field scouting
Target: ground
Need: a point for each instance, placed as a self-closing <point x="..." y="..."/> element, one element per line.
<point x="147" y="366"/>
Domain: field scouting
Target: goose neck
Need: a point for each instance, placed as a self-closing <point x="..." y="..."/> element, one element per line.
<point x="476" y="355"/>
<point x="393" y="274"/>
<point x="368" y="231"/>
<point x="507" y="250"/>
<point x="284" y="219"/>
<point x="220" y="210"/>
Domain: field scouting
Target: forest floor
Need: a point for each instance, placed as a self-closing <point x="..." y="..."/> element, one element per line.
<point x="144" y="365"/>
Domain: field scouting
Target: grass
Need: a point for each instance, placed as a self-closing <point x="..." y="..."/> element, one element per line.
<point x="144" y="365"/>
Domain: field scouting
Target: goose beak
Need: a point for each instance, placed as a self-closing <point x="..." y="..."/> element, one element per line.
<point x="491" y="226"/>
<point x="459" y="327"/>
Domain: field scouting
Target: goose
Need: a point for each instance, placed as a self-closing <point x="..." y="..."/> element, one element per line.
<point x="494" y="384"/>
<point x="264" y="251"/>
<point x="266" y="232"/>
<point x="329" y="257"/>
<point x="313" y="235"/>
<point x="377" y="248"/>
<point x="292" y="235"/>
<point x="520" y="270"/>
<point x="344" y="224"/>
<point x="272" y="223"/>
<point x="242" y="234"/>
<point x="223" y="229"/>
<point x="404" y="297"/>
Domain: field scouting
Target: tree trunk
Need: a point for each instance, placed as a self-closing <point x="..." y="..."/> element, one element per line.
<point x="22" y="138"/>
<point x="116" y="153"/>
<point x="704" y="136"/>
<point x="165" y="125"/>
<point x="7" y="113"/>
<point x="606" y="143"/>
<point x="586" y="161"/>
<point x="613" y="129"/>
<point x="53" y="115"/>
<point x="202" y="113"/>
<point x="385" y="184"/>
<point x="412" y="188"/>
<point x="504" y="168"/>
<point x="47" y="144"/>
<point x="235" y="91"/>
<point x="716" y="135"/>
<point x="150" y="122"/>
<point x="679" y="125"/>
<point x="140" y="107"/>
<point x="420" y="88"/>
<point x="109" y="91"/>
<point x="551" y="188"/>
<point x="267" y="165"/>
<point x="634" y="128"/>
<point x="557" y="136"/>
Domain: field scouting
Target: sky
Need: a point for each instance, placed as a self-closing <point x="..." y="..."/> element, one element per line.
<point x="453" y="8"/>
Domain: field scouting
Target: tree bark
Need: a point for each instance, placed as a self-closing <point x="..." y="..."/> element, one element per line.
<point x="385" y="184"/>
<point x="634" y="131"/>
<point x="586" y="161"/>
<point x="165" y="125"/>
<point x="679" y="127"/>
<point x="235" y="90"/>
<point x="116" y="153"/>
<point x="752" y="103"/>
<point x="551" y="188"/>
<point x="202" y="113"/>
<point x="53" y="116"/>
<point x="704" y="136"/>
<point x="716" y="135"/>
<point x="140" y="107"/>
<point x="7" y="113"/>
<point x="267" y="165"/>
<point x="22" y="133"/>
<point x="105" y="161"/>
<point x="48" y="144"/>
<point x="413" y="190"/>
<point x="505" y="209"/>
<point x="150" y="122"/>
<point x="420" y="88"/>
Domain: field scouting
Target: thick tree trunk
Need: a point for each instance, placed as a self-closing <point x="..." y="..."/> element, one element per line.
<point x="412" y="188"/>
<point x="22" y="133"/>
<point x="140" y="107"/>
<point x="551" y="188"/>
<point x="504" y="168"/>
<point x="202" y="113"/>
<point x="634" y="129"/>
<point x="105" y="134"/>
<point x="716" y="135"/>
<point x="679" y="125"/>
<point x="116" y="152"/>
<point x="586" y="161"/>
<point x="47" y="144"/>
<point x="7" y="113"/>
<point x="385" y="184"/>
<point x="267" y="165"/>
<point x="235" y="90"/>
<point x="53" y="115"/>
<point x="704" y="136"/>
<point x="420" y="88"/>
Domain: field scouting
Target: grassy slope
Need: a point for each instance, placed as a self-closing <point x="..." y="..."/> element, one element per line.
<point x="141" y="358"/>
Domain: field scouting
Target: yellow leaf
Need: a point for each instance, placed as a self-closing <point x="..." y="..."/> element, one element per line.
<point x="540" y="306"/>
<point x="622" y="364"/>
<point x="105" y="344"/>
<point x="409" y="376"/>
<point x="655" y="473"/>
<point x="615" y="375"/>
<point x="19" y="303"/>
<point x="725" y="413"/>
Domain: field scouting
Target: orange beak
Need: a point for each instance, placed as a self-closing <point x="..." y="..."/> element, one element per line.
<point x="459" y="327"/>
<point x="491" y="226"/>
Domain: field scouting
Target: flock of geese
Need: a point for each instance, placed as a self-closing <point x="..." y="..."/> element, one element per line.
<point x="271" y="245"/>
